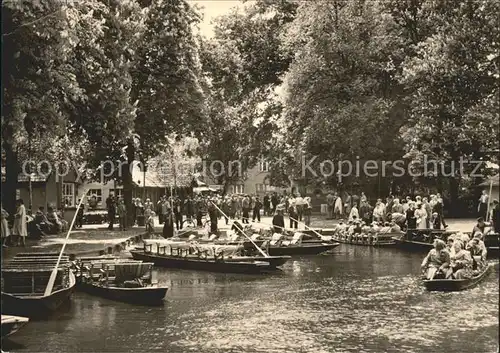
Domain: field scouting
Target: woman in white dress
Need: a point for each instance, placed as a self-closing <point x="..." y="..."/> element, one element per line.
<point x="421" y="215"/>
<point x="337" y="209"/>
<point x="20" y="228"/>
<point x="5" y="227"/>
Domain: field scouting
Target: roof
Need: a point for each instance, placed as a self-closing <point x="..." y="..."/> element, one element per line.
<point x="24" y="178"/>
<point x="491" y="180"/>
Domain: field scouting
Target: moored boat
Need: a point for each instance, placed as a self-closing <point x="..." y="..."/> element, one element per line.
<point x="122" y="280"/>
<point x="11" y="324"/>
<point x="25" y="279"/>
<point x="206" y="257"/>
<point x="450" y="285"/>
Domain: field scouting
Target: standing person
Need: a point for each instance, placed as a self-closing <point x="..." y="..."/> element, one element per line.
<point x="278" y="219"/>
<point x="178" y="213"/>
<point x="411" y="219"/>
<point x="482" y="206"/>
<point x="292" y="214"/>
<point x="355" y="200"/>
<point x="188" y="208"/>
<point x="159" y="206"/>
<point x="256" y="209"/>
<point x="379" y="211"/>
<point x="354" y="214"/>
<point x="363" y="197"/>
<point x="348" y="205"/>
<point x="111" y="206"/>
<point x="234" y="206"/>
<point x="245" y="205"/>
<point x="421" y="215"/>
<point x="428" y="209"/>
<point x="213" y="214"/>
<point x="388" y="205"/>
<point x="275" y="202"/>
<point x="299" y="203"/>
<point x="267" y="205"/>
<point x="200" y="206"/>
<point x="226" y="208"/>
<point x="79" y="215"/>
<point x="397" y="207"/>
<point x="20" y="229"/>
<point x="439" y="209"/>
<point x="330" y="203"/>
<point x="5" y="227"/>
<point x="337" y="209"/>
<point x="365" y="211"/>
<point x="495" y="216"/>
<point x="307" y="211"/>
<point x="168" y="225"/>
<point x="163" y="209"/>
<point x="122" y="214"/>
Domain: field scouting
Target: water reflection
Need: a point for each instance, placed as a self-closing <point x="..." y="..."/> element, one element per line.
<point x="360" y="299"/>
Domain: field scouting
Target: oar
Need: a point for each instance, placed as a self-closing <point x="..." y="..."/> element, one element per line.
<point x="307" y="227"/>
<point x="241" y="230"/>
<point x="53" y="275"/>
<point x="489" y="202"/>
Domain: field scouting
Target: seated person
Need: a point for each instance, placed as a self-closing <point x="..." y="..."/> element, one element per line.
<point x="55" y="223"/>
<point x="449" y="245"/>
<point x="436" y="221"/>
<point x="479" y="227"/>
<point x="460" y="263"/>
<point x="395" y="228"/>
<point x="399" y="219"/>
<point x="477" y="248"/>
<point x="437" y="261"/>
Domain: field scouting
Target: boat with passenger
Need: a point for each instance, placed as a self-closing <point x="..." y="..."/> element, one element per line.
<point x="359" y="233"/>
<point x="455" y="266"/>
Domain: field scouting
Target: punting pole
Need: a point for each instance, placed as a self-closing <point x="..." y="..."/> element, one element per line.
<point x="487" y="218"/>
<point x="307" y="227"/>
<point x="53" y="275"/>
<point x="241" y="230"/>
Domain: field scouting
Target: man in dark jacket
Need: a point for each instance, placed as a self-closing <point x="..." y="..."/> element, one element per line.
<point x="257" y="205"/>
<point x="495" y="216"/>
<point x="111" y="206"/>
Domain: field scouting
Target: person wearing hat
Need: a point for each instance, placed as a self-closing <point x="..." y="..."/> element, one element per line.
<point x="477" y="250"/>
<point x="460" y="263"/>
<point x="437" y="260"/>
<point x="307" y="211"/>
<point x="278" y="219"/>
<point x="495" y="216"/>
<point x="479" y="227"/>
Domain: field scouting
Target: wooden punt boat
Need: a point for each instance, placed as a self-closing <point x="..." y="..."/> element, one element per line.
<point x="380" y="240"/>
<point x="422" y="240"/>
<point x="301" y="249"/>
<point x="11" y="324"/>
<point x="24" y="280"/>
<point x="128" y="281"/>
<point x="451" y="285"/>
<point x="206" y="257"/>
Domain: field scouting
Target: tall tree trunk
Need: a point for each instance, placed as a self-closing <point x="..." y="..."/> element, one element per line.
<point x="127" y="181"/>
<point x="11" y="172"/>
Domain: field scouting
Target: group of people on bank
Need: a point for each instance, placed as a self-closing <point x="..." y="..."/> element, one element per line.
<point x="412" y="213"/>
<point x="39" y="224"/>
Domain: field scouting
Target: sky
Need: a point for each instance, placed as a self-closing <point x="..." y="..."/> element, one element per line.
<point x="212" y="9"/>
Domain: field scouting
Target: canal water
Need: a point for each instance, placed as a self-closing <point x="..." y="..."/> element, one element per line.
<point x="359" y="299"/>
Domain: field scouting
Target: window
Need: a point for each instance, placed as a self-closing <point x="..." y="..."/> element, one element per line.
<point x="118" y="193"/>
<point x="68" y="194"/>
<point x="237" y="189"/>
<point x="260" y="187"/>
<point x="97" y="193"/>
<point x="264" y="166"/>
